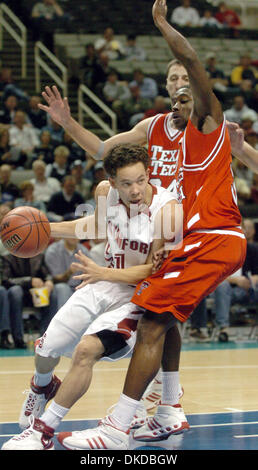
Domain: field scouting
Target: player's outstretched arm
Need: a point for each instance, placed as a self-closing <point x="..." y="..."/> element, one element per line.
<point x="205" y="102"/>
<point x="59" y="110"/>
<point x="240" y="148"/>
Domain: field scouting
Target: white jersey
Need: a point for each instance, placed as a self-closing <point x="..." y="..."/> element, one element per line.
<point x="130" y="237"/>
<point x="106" y="305"/>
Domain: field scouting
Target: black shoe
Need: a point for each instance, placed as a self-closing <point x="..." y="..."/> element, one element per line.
<point x="19" y="344"/>
<point x="6" y="344"/>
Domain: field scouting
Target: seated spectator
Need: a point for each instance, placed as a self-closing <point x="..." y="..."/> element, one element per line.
<point x="238" y="110"/>
<point x="87" y="65"/>
<point x="44" y="187"/>
<point x="254" y="189"/>
<point x="83" y="185"/>
<point x="36" y="116"/>
<point x="198" y="320"/>
<point x="23" y="136"/>
<point x="9" y="87"/>
<point x="148" y="86"/>
<point x="241" y="287"/>
<point x="110" y="45"/>
<point x="217" y="77"/>
<point x="135" y="104"/>
<point x="248" y="226"/>
<point x="59" y="168"/>
<point x="45" y="150"/>
<point x="88" y="171"/>
<point x="91" y="201"/>
<point x="5" y="323"/>
<point x="243" y="181"/>
<point x="114" y="89"/>
<point x="228" y="18"/>
<point x="132" y="51"/>
<point x="19" y="276"/>
<point x="27" y="197"/>
<point x="62" y="205"/>
<point x="185" y="15"/>
<point x="100" y="72"/>
<point x="244" y="72"/>
<point x="159" y="106"/>
<point x="251" y="137"/>
<point x="209" y="21"/>
<point x="46" y="16"/>
<point x="10" y="155"/>
<point x="76" y="152"/>
<point x="8" y="190"/>
<point x="58" y="258"/>
<point x="248" y="122"/>
<point x="9" y="109"/>
<point x="99" y="172"/>
<point x="56" y="132"/>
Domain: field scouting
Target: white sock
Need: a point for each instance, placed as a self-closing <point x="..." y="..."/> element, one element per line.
<point x="54" y="415"/>
<point x="170" y="388"/>
<point x="124" y="412"/>
<point x="42" y="379"/>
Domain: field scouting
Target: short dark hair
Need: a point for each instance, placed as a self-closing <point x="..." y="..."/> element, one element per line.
<point x="174" y="62"/>
<point x="122" y="155"/>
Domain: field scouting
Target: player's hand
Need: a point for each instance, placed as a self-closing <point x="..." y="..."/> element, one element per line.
<point x="158" y="258"/>
<point x="58" y="108"/>
<point x="37" y="282"/>
<point x="91" y="272"/>
<point x="159" y="11"/>
<point x="243" y="282"/>
<point x="236" y="135"/>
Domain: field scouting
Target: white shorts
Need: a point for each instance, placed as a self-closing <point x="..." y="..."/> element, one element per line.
<point x="74" y="319"/>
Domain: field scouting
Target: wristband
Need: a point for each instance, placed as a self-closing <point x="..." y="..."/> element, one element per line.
<point x="99" y="154"/>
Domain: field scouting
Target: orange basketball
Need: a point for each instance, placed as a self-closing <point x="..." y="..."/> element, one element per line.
<point x="25" y="232"/>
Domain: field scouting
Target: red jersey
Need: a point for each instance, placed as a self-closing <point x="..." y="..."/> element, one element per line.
<point x="163" y="148"/>
<point x="205" y="180"/>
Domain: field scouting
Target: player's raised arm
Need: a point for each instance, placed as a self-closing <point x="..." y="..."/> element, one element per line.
<point x="59" y="110"/>
<point x="205" y="102"/>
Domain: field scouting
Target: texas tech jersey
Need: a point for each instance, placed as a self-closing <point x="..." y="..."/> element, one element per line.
<point x="205" y="180"/>
<point x="130" y="238"/>
<point x="163" y="148"/>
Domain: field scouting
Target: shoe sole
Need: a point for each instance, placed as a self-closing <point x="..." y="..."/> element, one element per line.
<point x="145" y="438"/>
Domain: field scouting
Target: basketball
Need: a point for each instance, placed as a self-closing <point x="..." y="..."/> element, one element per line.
<point x="25" y="232"/>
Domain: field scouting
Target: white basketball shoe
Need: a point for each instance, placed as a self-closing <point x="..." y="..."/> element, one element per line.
<point x="37" y="437"/>
<point x="167" y="420"/>
<point x="36" y="400"/>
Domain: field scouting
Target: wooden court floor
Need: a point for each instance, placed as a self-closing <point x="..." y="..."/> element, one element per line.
<point x="214" y="381"/>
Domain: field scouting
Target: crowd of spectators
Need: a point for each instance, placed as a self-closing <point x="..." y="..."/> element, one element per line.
<point x="63" y="176"/>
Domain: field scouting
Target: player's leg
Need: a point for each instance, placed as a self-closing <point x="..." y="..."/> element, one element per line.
<point x="113" y="432"/>
<point x="152" y="395"/>
<point x="77" y="381"/>
<point x="61" y="337"/>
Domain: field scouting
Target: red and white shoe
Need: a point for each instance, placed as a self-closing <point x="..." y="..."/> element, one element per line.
<point x="105" y="436"/>
<point x="152" y="397"/>
<point x="37" y="398"/>
<point x="167" y="420"/>
<point x="37" y="437"/>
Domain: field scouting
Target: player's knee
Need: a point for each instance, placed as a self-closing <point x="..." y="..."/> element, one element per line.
<point x="88" y="351"/>
<point x="152" y="327"/>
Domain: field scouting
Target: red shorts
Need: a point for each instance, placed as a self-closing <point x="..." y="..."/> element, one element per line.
<point x="191" y="273"/>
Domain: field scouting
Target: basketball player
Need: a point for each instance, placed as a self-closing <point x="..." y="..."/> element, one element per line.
<point x="133" y="207"/>
<point x="214" y="247"/>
